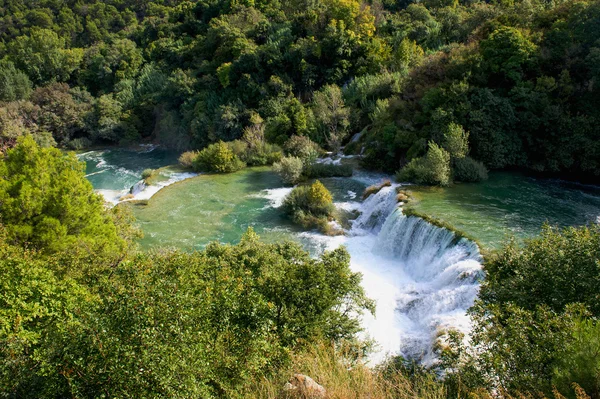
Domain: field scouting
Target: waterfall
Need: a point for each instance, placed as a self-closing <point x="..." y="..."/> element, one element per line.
<point x="375" y="210"/>
<point x="423" y="277"/>
<point x="138" y="187"/>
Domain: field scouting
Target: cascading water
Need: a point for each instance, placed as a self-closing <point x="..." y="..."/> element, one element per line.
<point x="116" y="173"/>
<point x="423" y="278"/>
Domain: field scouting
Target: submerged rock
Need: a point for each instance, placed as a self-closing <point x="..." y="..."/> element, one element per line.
<point x="305" y="387"/>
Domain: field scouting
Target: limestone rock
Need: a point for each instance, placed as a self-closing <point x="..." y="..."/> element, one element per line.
<point x="306" y="387"/>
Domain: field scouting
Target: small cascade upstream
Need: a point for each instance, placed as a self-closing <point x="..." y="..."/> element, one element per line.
<point x="423" y="278"/>
<point x="116" y="173"/>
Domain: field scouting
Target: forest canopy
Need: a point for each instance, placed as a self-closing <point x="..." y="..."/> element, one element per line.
<point x="519" y="78"/>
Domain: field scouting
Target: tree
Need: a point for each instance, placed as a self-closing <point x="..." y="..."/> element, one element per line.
<point x="433" y="168"/>
<point x="310" y="205"/>
<point x="43" y="56"/>
<point x="332" y="116"/>
<point x="456" y="141"/>
<point x="105" y="64"/>
<point x="14" y="84"/>
<point x="46" y="202"/>
<point x="62" y="111"/>
<point x="290" y="169"/>
<point x="170" y="323"/>
<point x="506" y="51"/>
<point x="535" y="322"/>
<point x="557" y="268"/>
<point x="35" y="306"/>
<point x="218" y="157"/>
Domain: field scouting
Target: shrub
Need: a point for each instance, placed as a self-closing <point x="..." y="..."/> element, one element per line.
<point x="263" y="154"/>
<point x="239" y="148"/>
<point x="317" y="170"/>
<point x="188" y="158"/>
<point x="302" y="147"/>
<point x="469" y="170"/>
<point x="433" y="168"/>
<point x="75" y="144"/>
<point x="258" y="154"/>
<point x="219" y="158"/>
<point x="309" y="206"/>
<point x="147" y="173"/>
<point x="290" y="169"/>
<point x="456" y="141"/>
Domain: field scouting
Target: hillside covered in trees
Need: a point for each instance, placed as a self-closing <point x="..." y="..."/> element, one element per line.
<point x="435" y="91"/>
<point x="510" y="84"/>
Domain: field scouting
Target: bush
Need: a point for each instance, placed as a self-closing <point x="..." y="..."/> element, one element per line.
<point x="147" y="173"/>
<point x="317" y="170"/>
<point x="75" y="144"/>
<point x="469" y="170"/>
<point x="309" y="206"/>
<point x="218" y="158"/>
<point x="259" y="154"/>
<point x="304" y="148"/>
<point x="290" y="169"/>
<point x="456" y="141"/>
<point x="188" y="158"/>
<point x="433" y="168"/>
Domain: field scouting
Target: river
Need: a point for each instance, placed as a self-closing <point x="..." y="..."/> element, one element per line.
<point x="422" y="278"/>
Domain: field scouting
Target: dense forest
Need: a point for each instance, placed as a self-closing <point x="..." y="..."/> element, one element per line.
<point x="452" y="86"/>
<point x="435" y="91"/>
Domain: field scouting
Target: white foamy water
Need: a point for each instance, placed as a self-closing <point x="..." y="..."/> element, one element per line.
<point x="276" y="196"/>
<point x="140" y="191"/>
<point x="116" y="173"/>
<point x="423" y="278"/>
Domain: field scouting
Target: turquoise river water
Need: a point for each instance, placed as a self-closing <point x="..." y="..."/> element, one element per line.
<point x="422" y="278"/>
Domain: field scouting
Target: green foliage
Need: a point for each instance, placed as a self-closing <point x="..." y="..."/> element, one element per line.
<point x="44" y="57"/>
<point x="223" y="73"/>
<point x="218" y="158"/>
<point x="147" y="173"/>
<point x="302" y="147"/>
<point x="519" y="77"/>
<point x="62" y="111"/>
<point x="202" y="324"/>
<point x="187" y="159"/>
<point x="456" y="141"/>
<point x="290" y="169"/>
<point x="47" y="202"/>
<point x="468" y="170"/>
<point x="14" y="84"/>
<point x="579" y="359"/>
<point x="506" y="51"/>
<point x="255" y="153"/>
<point x="433" y="168"/>
<point x="77" y="144"/>
<point x="332" y="117"/>
<point x="309" y="205"/>
<point x="535" y="324"/>
<point x="36" y="307"/>
<point x="570" y="273"/>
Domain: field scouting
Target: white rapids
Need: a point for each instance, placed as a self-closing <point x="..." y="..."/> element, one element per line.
<point x="422" y="277"/>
